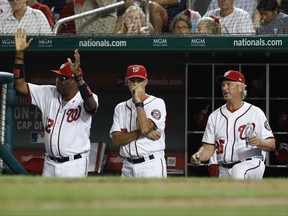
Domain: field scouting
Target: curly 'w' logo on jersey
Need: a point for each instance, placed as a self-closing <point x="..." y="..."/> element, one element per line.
<point x="246" y="130"/>
<point x="73" y="114"/>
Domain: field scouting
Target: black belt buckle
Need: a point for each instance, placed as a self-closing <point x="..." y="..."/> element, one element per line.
<point x="139" y="160"/>
<point x="229" y="165"/>
<point x="64" y="159"/>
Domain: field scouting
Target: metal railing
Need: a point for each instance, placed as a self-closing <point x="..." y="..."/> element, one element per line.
<point x="147" y="13"/>
<point x="100" y="10"/>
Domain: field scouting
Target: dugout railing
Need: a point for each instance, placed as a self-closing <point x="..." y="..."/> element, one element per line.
<point x="8" y="163"/>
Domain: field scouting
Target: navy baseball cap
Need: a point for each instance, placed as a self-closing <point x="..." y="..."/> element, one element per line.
<point x="231" y="75"/>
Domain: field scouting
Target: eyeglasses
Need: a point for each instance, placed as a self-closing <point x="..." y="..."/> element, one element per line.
<point x="62" y="78"/>
<point x="182" y="28"/>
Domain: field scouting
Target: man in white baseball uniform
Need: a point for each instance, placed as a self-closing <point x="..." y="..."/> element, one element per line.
<point x="238" y="131"/>
<point x="67" y="110"/>
<point x="138" y="129"/>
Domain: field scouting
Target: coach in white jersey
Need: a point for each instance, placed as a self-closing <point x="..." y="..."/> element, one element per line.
<point x="238" y="131"/>
<point x="23" y="16"/>
<point x="235" y="21"/>
<point x="67" y="110"/>
<point x="138" y="128"/>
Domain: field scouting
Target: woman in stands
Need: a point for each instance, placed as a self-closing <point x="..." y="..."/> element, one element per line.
<point x="181" y="24"/>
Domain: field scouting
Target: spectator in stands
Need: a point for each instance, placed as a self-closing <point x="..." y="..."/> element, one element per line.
<point x="194" y="17"/>
<point x="23" y="16"/>
<point x="134" y="22"/>
<point x="273" y="20"/>
<point x="97" y="23"/>
<point x="158" y="14"/>
<point x="247" y="5"/>
<point x="68" y="10"/>
<point x="181" y="24"/>
<point x="234" y="20"/>
<point x="209" y="25"/>
<point x="5" y="9"/>
<point x="257" y="17"/>
<point x="44" y="8"/>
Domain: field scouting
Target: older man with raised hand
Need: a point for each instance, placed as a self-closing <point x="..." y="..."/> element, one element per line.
<point x="67" y="109"/>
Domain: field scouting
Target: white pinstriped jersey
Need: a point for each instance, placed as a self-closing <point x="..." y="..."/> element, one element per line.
<point x="238" y="22"/>
<point x="249" y="6"/>
<point x="228" y="130"/>
<point x="33" y="21"/>
<point x="5" y="10"/>
<point x="125" y="120"/>
<point x="66" y="127"/>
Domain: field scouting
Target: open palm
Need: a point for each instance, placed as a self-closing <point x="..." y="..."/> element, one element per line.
<point x="20" y="40"/>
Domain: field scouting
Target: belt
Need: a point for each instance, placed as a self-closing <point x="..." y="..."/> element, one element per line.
<point x="139" y="160"/>
<point x="64" y="159"/>
<point x="230" y="165"/>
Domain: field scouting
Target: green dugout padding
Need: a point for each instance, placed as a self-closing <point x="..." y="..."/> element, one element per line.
<point x="6" y="148"/>
<point x="199" y="43"/>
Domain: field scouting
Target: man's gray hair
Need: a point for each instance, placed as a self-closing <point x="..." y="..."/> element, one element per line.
<point x="244" y="92"/>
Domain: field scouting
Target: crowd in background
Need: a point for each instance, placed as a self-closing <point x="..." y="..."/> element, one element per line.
<point x="146" y="17"/>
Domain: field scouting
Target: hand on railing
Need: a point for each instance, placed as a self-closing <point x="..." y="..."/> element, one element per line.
<point x="144" y="30"/>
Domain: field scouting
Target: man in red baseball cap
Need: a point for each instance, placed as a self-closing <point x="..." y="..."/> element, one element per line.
<point x="63" y="75"/>
<point x="231" y="75"/>
<point x="237" y="134"/>
<point x="66" y="71"/>
<point x="138" y="129"/>
<point x="136" y="71"/>
<point x="67" y="111"/>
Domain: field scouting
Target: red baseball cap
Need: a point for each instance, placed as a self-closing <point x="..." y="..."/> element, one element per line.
<point x="231" y="75"/>
<point x="136" y="71"/>
<point x="65" y="70"/>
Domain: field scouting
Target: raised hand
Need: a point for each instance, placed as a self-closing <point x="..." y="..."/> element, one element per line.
<point x="76" y="65"/>
<point x="20" y="40"/>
